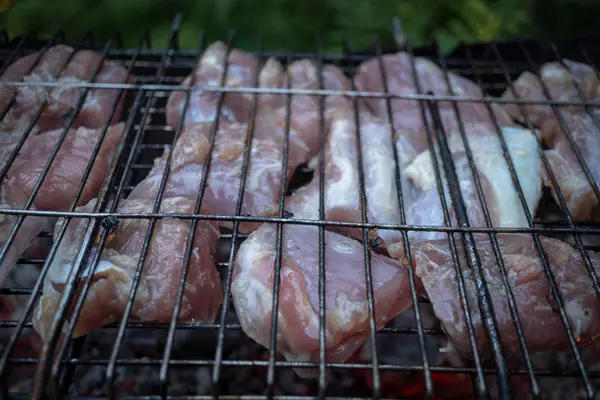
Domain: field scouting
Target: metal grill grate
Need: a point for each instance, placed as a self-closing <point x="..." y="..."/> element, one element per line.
<point x="220" y="350"/>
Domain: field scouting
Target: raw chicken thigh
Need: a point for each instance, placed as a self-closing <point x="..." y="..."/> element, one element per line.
<point x="113" y="277"/>
<point x="563" y="82"/>
<point x="347" y="315"/>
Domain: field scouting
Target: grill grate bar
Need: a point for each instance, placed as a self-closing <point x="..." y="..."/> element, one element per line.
<point x="497" y="253"/>
<point x="282" y="220"/>
<point x="235" y="235"/>
<point x="366" y="245"/>
<point x="308" y="92"/>
<point x="322" y="277"/>
<point x="279" y="232"/>
<point x="480" y="382"/>
<point x="407" y="250"/>
<point x="543" y="257"/>
<point x="306" y="365"/>
<point x="473" y="260"/>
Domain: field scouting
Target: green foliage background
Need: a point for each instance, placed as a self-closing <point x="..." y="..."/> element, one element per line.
<point x="448" y="21"/>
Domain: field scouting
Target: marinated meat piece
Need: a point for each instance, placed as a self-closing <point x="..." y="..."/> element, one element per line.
<point x="572" y="182"/>
<point x="561" y="83"/>
<point x="113" y="277"/>
<point x="99" y="102"/>
<point x="342" y="190"/>
<point x="500" y="194"/>
<point x="538" y="312"/>
<point x="15" y="73"/>
<point x="304" y="75"/>
<point x="60" y="185"/>
<point x="262" y="189"/>
<point x="347" y="317"/>
<point x="241" y="72"/>
<point x="406" y="114"/>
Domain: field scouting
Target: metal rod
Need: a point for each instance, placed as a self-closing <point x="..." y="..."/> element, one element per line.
<point x="279" y="232"/>
<point x="481" y="383"/>
<point x="322" y="262"/>
<point x="366" y="246"/>
<point x="407" y="250"/>
<point x="497" y="252"/>
<point x="216" y="375"/>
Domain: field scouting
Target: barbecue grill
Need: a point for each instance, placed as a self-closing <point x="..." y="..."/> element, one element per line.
<point x="142" y="359"/>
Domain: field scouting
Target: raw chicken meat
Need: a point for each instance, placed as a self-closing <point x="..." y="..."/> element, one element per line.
<point x="60" y="185"/>
<point x="113" y="277"/>
<point x="30" y="98"/>
<point x="538" y="311"/>
<point x="342" y="193"/>
<point x="560" y="80"/>
<point x="262" y="190"/>
<point x="15" y="73"/>
<point x="347" y="315"/>
<point x="406" y="114"/>
<point x="58" y="190"/>
<point x="241" y="72"/>
<point x="98" y="103"/>
<point x="572" y="182"/>
<point x="60" y="65"/>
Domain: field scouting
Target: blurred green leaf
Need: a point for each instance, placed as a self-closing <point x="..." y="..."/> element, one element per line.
<point x="449" y="22"/>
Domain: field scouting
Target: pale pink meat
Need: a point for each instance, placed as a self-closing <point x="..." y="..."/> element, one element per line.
<point x="262" y="188"/>
<point x="537" y="309"/>
<point x="561" y="82"/>
<point x="15" y="73"/>
<point x="241" y="72"/>
<point x="342" y="190"/>
<point x="60" y="185"/>
<point x="347" y="315"/>
<point x="98" y="103"/>
<point x="406" y="114"/>
<point x="113" y="277"/>
<point x="574" y="186"/>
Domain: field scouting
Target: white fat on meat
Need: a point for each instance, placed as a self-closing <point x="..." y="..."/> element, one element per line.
<point x="113" y="277"/>
<point x="342" y="193"/>
<point x="406" y="114"/>
<point x="347" y="315"/>
<point x="500" y="193"/>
